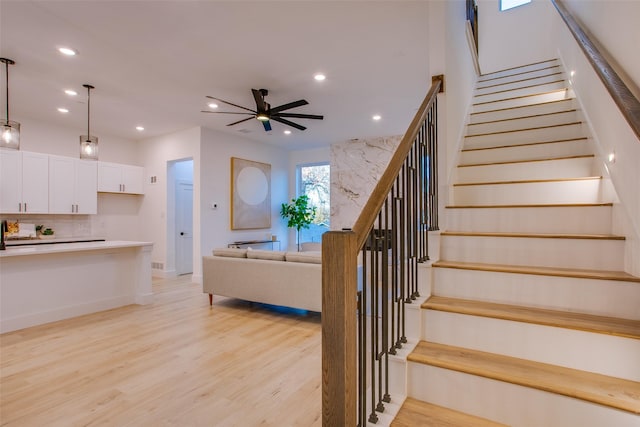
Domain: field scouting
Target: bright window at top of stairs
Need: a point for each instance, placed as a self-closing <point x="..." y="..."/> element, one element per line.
<point x="510" y="4"/>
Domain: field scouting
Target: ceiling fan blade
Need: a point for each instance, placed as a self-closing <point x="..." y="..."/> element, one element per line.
<point x="288" y="123"/>
<point x="230" y="103"/>
<point x="267" y="126"/>
<point x="288" y="106"/>
<point x="299" y="116"/>
<point x="240" y="121"/>
<point x="260" y="104"/>
<point x="225" y="112"/>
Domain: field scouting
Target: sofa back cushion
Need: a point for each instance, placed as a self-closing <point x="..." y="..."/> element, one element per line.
<point x="311" y="257"/>
<point x="268" y="255"/>
<point x="230" y="252"/>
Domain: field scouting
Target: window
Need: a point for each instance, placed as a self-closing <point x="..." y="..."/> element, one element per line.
<point x="313" y="180"/>
<point x="510" y="4"/>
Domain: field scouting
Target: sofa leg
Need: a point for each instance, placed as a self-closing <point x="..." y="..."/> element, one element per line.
<point x="210" y="299"/>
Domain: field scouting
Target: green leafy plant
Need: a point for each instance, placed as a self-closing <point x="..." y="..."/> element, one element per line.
<point x="44" y="231"/>
<point x="298" y="214"/>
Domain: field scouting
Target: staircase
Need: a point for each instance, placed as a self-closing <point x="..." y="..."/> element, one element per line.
<point x="531" y="320"/>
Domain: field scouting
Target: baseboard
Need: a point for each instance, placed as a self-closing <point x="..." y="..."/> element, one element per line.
<point x="163" y="274"/>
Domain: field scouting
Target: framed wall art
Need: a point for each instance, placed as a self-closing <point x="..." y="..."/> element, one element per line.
<point x="250" y="194"/>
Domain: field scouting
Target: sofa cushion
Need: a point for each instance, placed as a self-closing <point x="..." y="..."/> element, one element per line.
<point x="230" y="252"/>
<point x="312" y="257"/>
<point x="310" y="246"/>
<point x="268" y="255"/>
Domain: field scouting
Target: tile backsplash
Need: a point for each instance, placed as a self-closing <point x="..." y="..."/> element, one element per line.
<point x="62" y="225"/>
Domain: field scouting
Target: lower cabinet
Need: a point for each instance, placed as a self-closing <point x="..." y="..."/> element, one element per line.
<point x="73" y="186"/>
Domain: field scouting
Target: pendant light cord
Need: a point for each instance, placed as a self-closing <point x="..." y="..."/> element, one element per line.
<point x="88" y="112"/>
<point x="6" y="67"/>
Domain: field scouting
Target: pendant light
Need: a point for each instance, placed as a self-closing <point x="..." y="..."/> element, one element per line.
<point x="10" y="137"/>
<point x="88" y="143"/>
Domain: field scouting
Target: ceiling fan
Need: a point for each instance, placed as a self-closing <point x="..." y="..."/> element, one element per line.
<point x="264" y="112"/>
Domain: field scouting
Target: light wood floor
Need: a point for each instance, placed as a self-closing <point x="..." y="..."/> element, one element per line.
<point x="175" y="362"/>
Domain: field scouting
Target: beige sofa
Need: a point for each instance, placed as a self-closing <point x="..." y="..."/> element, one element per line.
<point x="292" y="279"/>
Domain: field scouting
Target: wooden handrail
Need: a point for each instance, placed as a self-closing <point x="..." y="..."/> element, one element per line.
<point x="625" y="100"/>
<point x="370" y="210"/>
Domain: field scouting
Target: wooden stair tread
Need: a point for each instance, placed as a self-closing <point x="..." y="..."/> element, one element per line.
<point x="418" y="413"/>
<point x="500" y="147"/>
<point x="531" y="116"/>
<point x="523" y="129"/>
<point x="517" y="68"/>
<point x="561" y="319"/>
<point x="541" y="271"/>
<point x="601" y="389"/>
<point x="510" y="162"/>
<point x="516" y="74"/>
<point x="528" y="181"/>
<point x="515" y="107"/>
<point x="519" y="81"/>
<point x="556" y="205"/>
<point x="520" y="87"/>
<point x="535" y="235"/>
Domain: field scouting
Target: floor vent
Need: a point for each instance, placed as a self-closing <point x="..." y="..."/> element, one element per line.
<point x="157" y="265"/>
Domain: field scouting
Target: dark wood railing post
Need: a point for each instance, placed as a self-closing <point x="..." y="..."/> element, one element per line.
<point x="339" y="310"/>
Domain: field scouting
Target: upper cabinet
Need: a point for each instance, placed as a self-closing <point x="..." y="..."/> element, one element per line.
<point x="119" y="178"/>
<point x="73" y="186"/>
<point x="24" y="182"/>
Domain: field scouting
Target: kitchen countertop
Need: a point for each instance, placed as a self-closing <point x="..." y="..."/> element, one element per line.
<point x="41" y="249"/>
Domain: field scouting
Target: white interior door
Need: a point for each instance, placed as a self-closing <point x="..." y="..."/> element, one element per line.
<point x="184" y="227"/>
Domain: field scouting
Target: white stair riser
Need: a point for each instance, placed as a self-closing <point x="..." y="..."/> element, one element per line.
<point x="526" y="122"/>
<point x="548" y="169"/>
<point x="610" y="298"/>
<point x="575" y="220"/>
<point x="521" y="81"/>
<point x="568" y="130"/>
<point x="518" y="71"/>
<point x="500" y="95"/>
<point x="587" y="351"/>
<point x="480" y="106"/>
<point x="526" y="110"/>
<point x="574" y="147"/>
<point x="544" y="252"/>
<point x="555" y="192"/>
<point x="507" y="403"/>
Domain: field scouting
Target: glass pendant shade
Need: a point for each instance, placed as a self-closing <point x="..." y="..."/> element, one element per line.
<point x="10" y="137"/>
<point x="88" y="147"/>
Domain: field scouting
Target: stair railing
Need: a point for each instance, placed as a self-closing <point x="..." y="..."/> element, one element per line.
<point x="625" y="100"/>
<point x="370" y="273"/>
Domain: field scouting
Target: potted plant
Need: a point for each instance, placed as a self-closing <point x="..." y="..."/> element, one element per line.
<point x="298" y="214"/>
<point x="44" y="233"/>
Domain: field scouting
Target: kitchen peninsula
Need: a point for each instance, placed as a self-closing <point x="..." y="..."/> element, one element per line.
<point x="45" y="283"/>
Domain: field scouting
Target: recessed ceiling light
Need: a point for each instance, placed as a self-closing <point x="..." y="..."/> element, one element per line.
<point x="287" y="132"/>
<point x="611" y="157"/>
<point x="67" y="51"/>
<point x="139" y="128"/>
<point x="63" y="110"/>
<point x="376" y="117"/>
<point x="213" y="105"/>
<point x="70" y="92"/>
<point x="319" y="77"/>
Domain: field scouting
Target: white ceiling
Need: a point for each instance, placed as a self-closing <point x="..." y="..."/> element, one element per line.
<point x="153" y="62"/>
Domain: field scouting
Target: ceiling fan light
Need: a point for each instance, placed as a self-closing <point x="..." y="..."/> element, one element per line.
<point x="262" y="117"/>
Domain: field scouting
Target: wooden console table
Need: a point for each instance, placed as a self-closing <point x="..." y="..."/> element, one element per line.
<point x="245" y="243"/>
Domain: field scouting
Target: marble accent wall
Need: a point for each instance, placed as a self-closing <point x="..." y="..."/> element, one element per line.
<point x="356" y="167"/>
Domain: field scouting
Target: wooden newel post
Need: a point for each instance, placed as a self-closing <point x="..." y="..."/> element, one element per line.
<point x="339" y="334"/>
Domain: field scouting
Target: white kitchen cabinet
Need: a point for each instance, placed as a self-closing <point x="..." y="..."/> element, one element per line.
<point x="73" y="186"/>
<point x="24" y="182"/>
<point x="119" y="178"/>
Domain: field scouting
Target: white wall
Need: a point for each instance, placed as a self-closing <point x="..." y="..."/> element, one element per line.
<point x="215" y="176"/>
<point x="157" y="221"/>
<point x="609" y="129"/>
<point x="118" y="214"/>
<point x="514" y="37"/>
